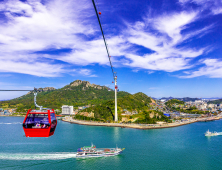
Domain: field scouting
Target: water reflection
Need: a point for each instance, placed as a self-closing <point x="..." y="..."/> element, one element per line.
<point x="116" y="134"/>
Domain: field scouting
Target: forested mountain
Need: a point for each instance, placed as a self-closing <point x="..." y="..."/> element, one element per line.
<point x="185" y="99"/>
<point x="77" y="93"/>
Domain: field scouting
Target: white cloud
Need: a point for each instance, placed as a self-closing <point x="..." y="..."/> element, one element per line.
<point x="84" y="72"/>
<point x="212" y="69"/>
<point x="36" y="69"/>
<point x="135" y="70"/>
<point x="90" y="52"/>
<point x="166" y="55"/>
<point x="32" y="26"/>
<point x="214" y="5"/>
<point x="150" y="72"/>
<point x="173" y="24"/>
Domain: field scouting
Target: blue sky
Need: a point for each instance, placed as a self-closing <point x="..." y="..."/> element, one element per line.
<point x="159" y="47"/>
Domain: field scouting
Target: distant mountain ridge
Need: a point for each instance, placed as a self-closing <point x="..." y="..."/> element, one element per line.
<point x="185" y="99"/>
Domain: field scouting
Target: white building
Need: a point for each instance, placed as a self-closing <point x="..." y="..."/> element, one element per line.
<point x="67" y="110"/>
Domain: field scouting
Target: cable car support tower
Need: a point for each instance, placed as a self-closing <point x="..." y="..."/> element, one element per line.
<point x="114" y="73"/>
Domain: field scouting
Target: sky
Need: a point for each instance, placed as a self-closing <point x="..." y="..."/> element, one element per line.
<point x="159" y="47"/>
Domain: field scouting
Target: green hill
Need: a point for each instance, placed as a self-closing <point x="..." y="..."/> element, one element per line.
<point x="101" y="98"/>
<point x="77" y="93"/>
<point x="136" y="104"/>
<point x="171" y="102"/>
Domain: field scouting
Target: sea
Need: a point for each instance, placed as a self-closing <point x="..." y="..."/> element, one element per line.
<point x="179" y="148"/>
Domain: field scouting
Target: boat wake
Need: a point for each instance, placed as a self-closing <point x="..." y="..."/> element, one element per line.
<point x="37" y="156"/>
<point x="2" y="123"/>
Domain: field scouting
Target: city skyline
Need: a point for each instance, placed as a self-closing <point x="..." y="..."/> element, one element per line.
<point x="161" y="48"/>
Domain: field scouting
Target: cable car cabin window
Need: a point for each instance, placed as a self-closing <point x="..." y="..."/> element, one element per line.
<point x="36" y="121"/>
<point x="53" y="120"/>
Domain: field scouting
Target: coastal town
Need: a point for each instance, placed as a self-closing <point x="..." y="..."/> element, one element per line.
<point x="212" y="112"/>
<point x="160" y="105"/>
<point x="155" y="105"/>
<point x="134" y="110"/>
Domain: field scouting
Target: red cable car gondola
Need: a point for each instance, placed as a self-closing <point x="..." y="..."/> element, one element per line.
<point x="39" y="123"/>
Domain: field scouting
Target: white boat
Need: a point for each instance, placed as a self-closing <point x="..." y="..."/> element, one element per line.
<point x="92" y="151"/>
<point x="208" y="133"/>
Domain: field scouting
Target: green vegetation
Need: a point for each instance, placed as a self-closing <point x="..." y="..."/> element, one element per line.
<point x="99" y="98"/>
<point x="219" y="101"/>
<point x="81" y="117"/>
<point x="171" y="102"/>
<point x="137" y="103"/>
<point x="68" y="95"/>
<point x="177" y="105"/>
<point x="145" y="117"/>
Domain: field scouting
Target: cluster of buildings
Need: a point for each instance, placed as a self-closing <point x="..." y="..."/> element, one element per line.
<point x="158" y="105"/>
<point x="197" y="104"/>
<point x="7" y="112"/>
<point x="201" y="105"/>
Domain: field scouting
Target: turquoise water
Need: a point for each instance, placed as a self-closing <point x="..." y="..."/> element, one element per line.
<point x="183" y="147"/>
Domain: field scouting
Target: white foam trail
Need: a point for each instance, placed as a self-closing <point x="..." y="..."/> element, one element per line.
<point x="38" y="156"/>
<point x="2" y="123"/>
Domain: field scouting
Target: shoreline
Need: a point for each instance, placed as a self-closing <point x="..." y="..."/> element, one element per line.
<point x="134" y="126"/>
<point x="12" y="115"/>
